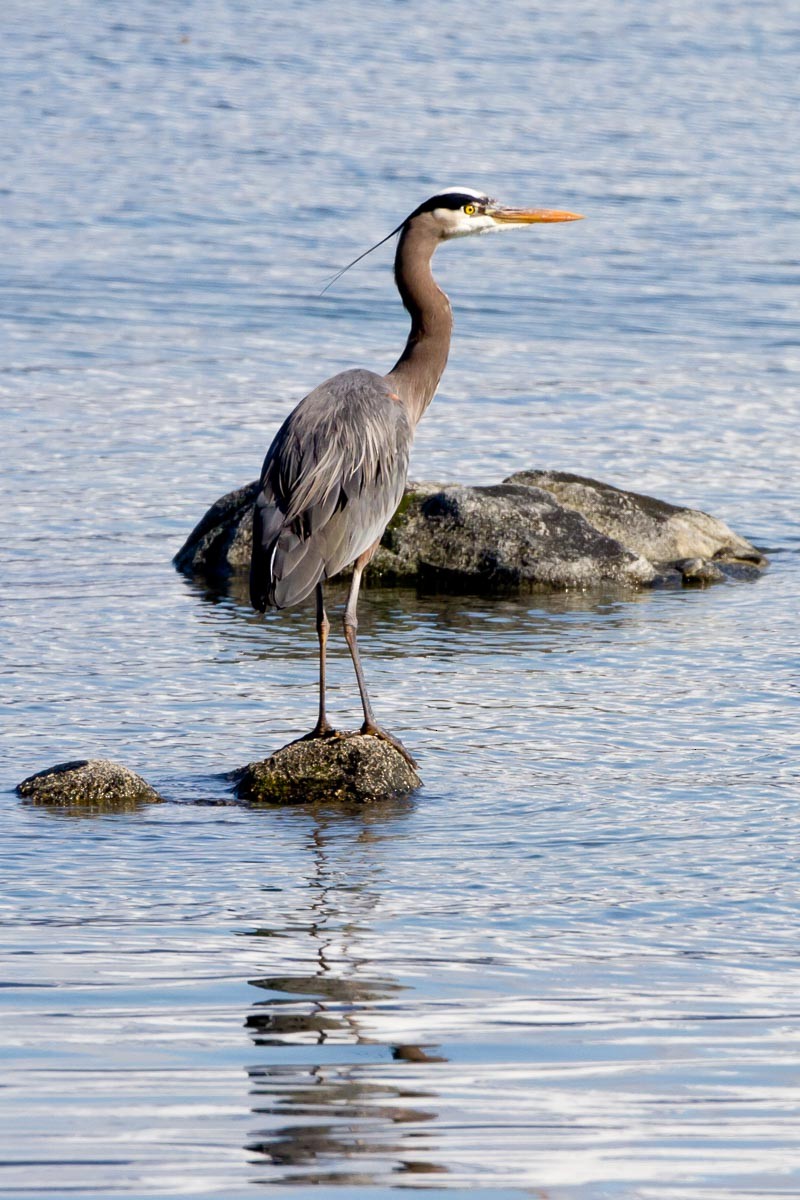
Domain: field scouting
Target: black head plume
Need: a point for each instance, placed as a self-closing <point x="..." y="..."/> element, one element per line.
<point x="453" y="198"/>
<point x="339" y="274"/>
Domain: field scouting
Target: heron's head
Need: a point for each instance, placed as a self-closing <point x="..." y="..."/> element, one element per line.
<point x="459" y="212"/>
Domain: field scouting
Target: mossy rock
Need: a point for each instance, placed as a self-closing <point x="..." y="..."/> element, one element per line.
<point x="93" y="783"/>
<point x="350" y="768"/>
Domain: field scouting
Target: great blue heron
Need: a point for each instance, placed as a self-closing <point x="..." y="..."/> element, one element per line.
<point x="335" y="473"/>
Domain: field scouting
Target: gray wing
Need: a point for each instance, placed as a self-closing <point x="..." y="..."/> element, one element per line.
<point x="332" y="479"/>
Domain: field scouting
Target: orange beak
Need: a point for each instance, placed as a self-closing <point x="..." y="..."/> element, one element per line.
<point x="530" y="216"/>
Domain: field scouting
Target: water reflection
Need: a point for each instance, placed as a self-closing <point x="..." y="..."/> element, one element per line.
<point x="329" y="1114"/>
<point x="333" y="1124"/>
<point x="84" y="809"/>
<point x="235" y="588"/>
<point x="330" y="1006"/>
<point x="489" y="624"/>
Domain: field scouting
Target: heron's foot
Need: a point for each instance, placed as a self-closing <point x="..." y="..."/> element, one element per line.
<point x="322" y="729"/>
<point x="375" y="731"/>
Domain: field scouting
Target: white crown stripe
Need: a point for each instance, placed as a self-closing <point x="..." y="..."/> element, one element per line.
<point x="461" y="191"/>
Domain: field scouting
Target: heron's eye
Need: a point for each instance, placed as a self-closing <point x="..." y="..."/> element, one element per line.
<point x="470" y="210"/>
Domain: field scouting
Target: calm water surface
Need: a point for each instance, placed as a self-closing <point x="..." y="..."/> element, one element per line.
<point x="568" y="967"/>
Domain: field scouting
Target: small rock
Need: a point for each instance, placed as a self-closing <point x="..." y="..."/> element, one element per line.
<point x="350" y="767"/>
<point x="699" y="570"/>
<point x="88" y="783"/>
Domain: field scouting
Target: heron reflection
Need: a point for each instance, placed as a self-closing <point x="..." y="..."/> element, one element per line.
<point x="338" y="1102"/>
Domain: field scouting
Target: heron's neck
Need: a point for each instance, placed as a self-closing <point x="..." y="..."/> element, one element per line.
<point x="416" y="374"/>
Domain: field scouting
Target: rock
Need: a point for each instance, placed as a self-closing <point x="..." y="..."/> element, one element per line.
<point x="699" y="570"/>
<point x="500" y="538"/>
<point x="537" y="530"/>
<point x="220" y="543"/>
<point x="350" y="767"/>
<point x="88" y="783"/>
<point x="665" y="534"/>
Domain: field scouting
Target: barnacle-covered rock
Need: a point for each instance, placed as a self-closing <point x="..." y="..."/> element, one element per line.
<point x="351" y="768"/>
<point x="95" y="783"/>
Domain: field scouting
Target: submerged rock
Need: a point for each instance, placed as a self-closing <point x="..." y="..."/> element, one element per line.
<point x="88" y="783"/>
<point x="345" y="767"/>
<point x="537" y="530"/>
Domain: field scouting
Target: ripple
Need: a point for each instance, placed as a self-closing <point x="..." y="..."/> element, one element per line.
<point x="567" y="966"/>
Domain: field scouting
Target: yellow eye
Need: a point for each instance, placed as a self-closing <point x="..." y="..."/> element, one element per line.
<point x="469" y="209"/>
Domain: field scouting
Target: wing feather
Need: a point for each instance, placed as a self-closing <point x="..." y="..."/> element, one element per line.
<point x="331" y="481"/>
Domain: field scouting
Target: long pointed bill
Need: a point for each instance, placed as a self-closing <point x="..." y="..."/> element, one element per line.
<point x="530" y="216"/>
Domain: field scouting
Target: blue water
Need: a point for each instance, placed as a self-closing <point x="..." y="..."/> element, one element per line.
<point x="568" y="967"/>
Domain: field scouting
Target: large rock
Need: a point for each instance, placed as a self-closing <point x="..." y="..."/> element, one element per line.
<point x="351" y="768"/>
<point x="88" y="783"/>
<point x="536" y="530"/>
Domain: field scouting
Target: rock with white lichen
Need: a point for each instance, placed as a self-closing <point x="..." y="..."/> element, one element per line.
<point x="94" y="783"/>
<point x="345" y="768"/>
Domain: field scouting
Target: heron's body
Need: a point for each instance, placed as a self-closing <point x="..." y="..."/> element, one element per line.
<point x="325" y="497"/>
<point x="335" y="472"/>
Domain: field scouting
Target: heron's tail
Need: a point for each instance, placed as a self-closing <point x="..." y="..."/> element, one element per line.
<point x="284" y="567"/>
<point x="267" y="525"/>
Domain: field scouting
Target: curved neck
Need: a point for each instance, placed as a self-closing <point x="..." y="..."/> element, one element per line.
<point x="416" y="374"/>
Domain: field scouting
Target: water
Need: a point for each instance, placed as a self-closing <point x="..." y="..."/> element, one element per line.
<point x="568" y="967"/>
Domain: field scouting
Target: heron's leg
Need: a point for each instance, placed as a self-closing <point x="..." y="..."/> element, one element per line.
<point x="323" y="626"/>
<point x="350" y="630"/>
